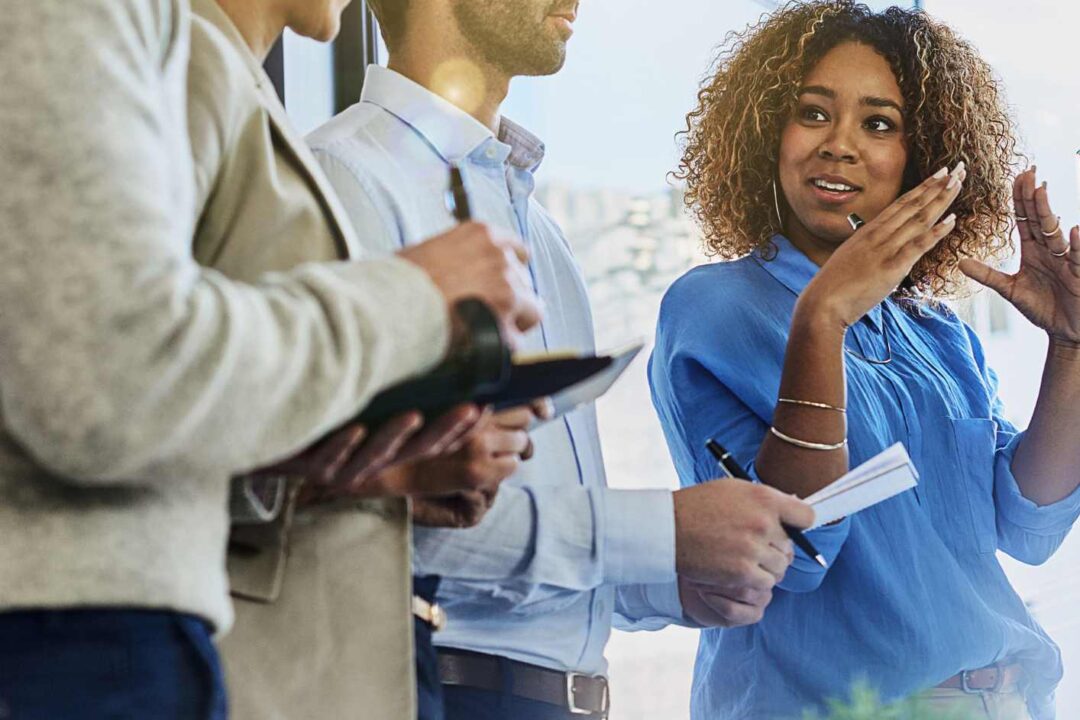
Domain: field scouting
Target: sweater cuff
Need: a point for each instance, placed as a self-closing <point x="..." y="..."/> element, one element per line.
<point x="639" y="536"/>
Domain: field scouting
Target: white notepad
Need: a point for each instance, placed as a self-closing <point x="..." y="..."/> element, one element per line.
<point x="881" y="477"/>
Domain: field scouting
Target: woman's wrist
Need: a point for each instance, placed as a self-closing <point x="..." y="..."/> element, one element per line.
<point x="818" y="317"/>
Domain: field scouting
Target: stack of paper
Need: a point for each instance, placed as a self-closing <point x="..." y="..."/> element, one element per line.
<point x="887" y="474"/>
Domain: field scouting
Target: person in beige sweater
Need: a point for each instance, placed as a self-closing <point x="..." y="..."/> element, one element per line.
<point x="136" y="383"/>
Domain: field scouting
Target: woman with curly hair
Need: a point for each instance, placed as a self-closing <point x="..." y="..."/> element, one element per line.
<point x="818" y="161"/>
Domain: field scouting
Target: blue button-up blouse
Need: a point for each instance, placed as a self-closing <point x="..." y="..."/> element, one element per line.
<point x="914" y="593"/>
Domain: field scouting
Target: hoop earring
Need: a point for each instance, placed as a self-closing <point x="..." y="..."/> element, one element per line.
<point x="776" y="204"/>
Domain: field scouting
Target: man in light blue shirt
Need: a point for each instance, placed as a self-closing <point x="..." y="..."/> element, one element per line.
<point x="531" y="592"/>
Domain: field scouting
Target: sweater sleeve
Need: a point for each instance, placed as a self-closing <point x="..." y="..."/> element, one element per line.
<point x="122" y="360"/>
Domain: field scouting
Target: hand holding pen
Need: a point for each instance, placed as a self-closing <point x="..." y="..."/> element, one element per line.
<point x="469" y="261"/>
<point x="731" y="467"/>
<point x="731" y="549"/>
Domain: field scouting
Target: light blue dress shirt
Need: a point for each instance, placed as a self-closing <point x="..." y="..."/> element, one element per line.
<point x="914" y="592"/>
<point x="536" y="580"/>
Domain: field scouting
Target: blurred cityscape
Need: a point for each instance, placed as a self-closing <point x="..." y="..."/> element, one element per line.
<point x="630" y="248"/>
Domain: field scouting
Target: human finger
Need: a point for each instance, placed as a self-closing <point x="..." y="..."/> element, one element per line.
<point x="920" y="216"/>
<point x="333" y="454"/>
<point x="1023" y="226"/>
<point x="737" y="593"/>
<point x="516" y="248"/>
<point x="543" y="408"/>
<point x="381" y="448"/>
<point x="750" y="574"/>
<point x="528" y="312"/>
<point x="734" y="613"/>
<point x="481" y="421"/>
<point x="440" y="434"/>
<point x="506" y="442"/>
<point x="774" y="562"/>
<point x="517" y="418"/>
<point x="912" y="198"/>
<point x="1074" y="251"/>
<point x="1027" y="199"/>
<point x="923" y="243"/>
<point x="794" y="511"/>
<point x="1049" y="223"/>
<point x="992" y="278"/>
<point x="787" y="548"/>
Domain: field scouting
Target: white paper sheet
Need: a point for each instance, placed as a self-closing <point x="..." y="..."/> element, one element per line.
<point x="881" y="477"/>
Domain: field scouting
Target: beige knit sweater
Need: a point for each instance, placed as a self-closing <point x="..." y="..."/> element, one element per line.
<point x="133" y="382"/>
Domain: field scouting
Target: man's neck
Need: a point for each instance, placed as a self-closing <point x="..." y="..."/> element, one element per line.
<point x="260" y="22"/>
<point x="453" y="73"/>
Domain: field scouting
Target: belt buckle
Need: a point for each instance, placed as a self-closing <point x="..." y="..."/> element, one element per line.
<point x="571" y="702"/>
<point x="999" y="681"/>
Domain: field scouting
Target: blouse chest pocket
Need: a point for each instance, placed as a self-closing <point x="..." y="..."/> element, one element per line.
<point x="967" y="489"/>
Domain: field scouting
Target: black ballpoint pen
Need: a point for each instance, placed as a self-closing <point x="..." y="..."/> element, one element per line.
<point x="457" y="199"/>
<point x="733" y="469"/>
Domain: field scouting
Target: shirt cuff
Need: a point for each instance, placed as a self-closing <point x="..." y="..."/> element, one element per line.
<point x="1022" y="512"/>
<point x="664" y="598"/>
<point x="804" y="574"/>
<point x="649" y="607"/>
<point x="639" y="537"/>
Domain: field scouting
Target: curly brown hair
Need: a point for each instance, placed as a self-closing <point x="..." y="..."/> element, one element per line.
<point x="954" y="110"/>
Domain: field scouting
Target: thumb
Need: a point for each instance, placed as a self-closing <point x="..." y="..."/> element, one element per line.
<point x="795" y="512"/>
<point x="983" y="274"/>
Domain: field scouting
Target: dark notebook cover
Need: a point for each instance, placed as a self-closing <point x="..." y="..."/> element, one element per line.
<point x="481" y="371"/>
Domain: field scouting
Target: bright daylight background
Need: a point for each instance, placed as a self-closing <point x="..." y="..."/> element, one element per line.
<point x="608" y="120"/>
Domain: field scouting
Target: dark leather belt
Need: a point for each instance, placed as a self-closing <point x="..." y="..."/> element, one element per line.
<point x="580" y="694"/>
<point x="991" y="679"/>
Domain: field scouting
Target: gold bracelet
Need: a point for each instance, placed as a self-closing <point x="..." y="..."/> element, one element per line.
<point x="805" y="444"/>
<point x="808" y="403"/>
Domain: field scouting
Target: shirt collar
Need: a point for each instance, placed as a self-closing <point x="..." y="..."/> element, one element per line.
<point x="526" y="150"/>
<point x="792" y="269"/>
<point x="451" y="132"/>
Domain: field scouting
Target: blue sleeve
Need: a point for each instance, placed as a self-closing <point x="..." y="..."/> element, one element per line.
<point x="1029" y="532"/>
<point x="715" y="373"/>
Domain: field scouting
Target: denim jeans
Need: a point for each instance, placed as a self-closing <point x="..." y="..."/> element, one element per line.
<point x="115" y="664"/>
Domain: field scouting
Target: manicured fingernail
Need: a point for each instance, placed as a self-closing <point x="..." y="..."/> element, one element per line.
<point x="958" y="169"/>
<point x="953" y="182"/>
<point x="1044" y="185"/>
<point x="949" y="219"/>
<point x="941" y="173"/>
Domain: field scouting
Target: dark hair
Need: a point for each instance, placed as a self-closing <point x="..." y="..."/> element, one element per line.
<point x="391" y="17"/>
<point x="953" y="107"/>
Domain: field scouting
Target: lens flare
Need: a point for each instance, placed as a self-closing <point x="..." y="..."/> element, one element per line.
<point x="461" y="82"/>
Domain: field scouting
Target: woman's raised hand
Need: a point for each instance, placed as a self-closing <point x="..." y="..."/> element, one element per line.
<point x="1046" y="289"/>
<point x="873" y="262"/>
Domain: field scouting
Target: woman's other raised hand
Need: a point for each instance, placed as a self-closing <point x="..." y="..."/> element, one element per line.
<point x="1046" y="289"/>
